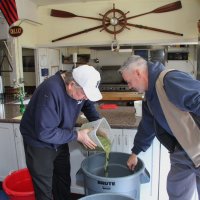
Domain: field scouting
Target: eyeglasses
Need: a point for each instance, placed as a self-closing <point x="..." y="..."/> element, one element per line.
<point x="76" y="85"/>
<point x="79" y="93"/>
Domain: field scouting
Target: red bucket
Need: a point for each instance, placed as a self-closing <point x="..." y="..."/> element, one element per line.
<point x="18" y="185"/>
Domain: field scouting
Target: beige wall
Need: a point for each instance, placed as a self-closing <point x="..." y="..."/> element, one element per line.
<point x="182" y="21"/>
<point x="35" y="35"/>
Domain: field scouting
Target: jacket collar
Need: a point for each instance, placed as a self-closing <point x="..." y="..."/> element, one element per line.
<point x="154" y="69"/>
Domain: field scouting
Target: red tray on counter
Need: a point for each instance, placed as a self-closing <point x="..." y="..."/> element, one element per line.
<point x="108" y="106"/>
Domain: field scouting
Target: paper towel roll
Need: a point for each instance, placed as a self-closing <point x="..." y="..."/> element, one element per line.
<point x="75" y="57"/>
<point x="138" y="108"/>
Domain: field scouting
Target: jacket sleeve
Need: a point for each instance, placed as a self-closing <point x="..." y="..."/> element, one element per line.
<point x="183" y="91"/>
<point x="90" y="111"/>
<point x="145" y="133"/>
<point x="48" y="130"/>
<point x="47" y="121"/>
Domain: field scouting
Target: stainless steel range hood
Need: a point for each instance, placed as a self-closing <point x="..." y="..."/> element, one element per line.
<point x="124" y="47"/>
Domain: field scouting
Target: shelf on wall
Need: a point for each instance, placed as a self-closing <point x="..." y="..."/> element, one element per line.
<point x="81" y="59"/>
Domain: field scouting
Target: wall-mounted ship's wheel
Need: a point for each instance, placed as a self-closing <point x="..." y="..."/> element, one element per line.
<point x="114" y="21"/>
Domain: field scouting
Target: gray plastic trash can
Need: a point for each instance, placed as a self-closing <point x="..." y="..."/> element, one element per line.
<point x="120" y="179"/>
<point x="106" y="196"/>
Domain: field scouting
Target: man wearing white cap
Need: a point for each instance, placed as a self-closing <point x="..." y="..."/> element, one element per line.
<point x="48" y="125"/>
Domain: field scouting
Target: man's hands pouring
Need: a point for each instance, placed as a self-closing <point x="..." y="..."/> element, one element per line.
<point x="85" y="139"/>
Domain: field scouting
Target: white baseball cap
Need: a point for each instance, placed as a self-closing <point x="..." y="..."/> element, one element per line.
<point x="88" y="78"/>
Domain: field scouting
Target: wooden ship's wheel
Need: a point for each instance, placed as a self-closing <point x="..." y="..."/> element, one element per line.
<point x="114" y="21"/>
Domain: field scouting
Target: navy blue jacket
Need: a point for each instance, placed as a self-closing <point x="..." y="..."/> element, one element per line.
<point x="50" y="116"/>
<point x="181" y="89"/>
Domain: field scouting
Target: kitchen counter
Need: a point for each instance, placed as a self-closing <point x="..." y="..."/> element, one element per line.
<point x="121" y="117"/>
<point x="122" y="96"/>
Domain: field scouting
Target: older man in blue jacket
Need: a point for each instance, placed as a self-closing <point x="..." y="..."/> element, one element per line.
<point x="48" y="125"/>
<point x="183" y="92"/>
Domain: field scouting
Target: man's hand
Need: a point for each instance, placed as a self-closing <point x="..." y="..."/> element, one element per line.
<point x="85" y="139"/>
<point x="132" y="161"/>
<point x="101" y="133"/>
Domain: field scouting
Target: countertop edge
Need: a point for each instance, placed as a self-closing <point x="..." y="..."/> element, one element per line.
<point x="127" y="119"/>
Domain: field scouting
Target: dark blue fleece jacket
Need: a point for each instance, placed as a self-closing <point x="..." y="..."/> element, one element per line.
<point x="50" y="117"/>
<point x="181" y="89"/>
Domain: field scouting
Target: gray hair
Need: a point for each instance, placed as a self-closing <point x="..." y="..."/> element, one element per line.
<point x="133" y="62"/>
<point x="68" y="77"/>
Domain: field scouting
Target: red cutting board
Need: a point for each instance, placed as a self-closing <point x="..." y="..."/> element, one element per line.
<point x="108" y="106"/>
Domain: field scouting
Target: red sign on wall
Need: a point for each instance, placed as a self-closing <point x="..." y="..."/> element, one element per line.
<point x="15" y="31"/>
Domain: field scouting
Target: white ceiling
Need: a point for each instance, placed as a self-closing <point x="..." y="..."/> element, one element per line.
<point x="48" y="2"/>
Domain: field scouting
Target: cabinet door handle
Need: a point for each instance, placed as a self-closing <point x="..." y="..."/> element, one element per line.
<point x="118" y="139"/>
<point x="126" y="141"/>
<point x="15" y="132"/>
<point x="1" y="127"/>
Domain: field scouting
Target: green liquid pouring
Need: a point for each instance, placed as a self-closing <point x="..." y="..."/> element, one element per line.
<point x="107" y="148"/>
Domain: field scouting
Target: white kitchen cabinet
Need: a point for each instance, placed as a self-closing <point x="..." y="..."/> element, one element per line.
<point x="117" y="140"/>
<point x="21" y="160"/>
<point x="77" y="155"/>
<point x="8" y="156"/>
<point x="122" y="140"/>
<point x="11" y="149"/>
<point x="164" y="169"/>
<point x="128" y="138"/>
